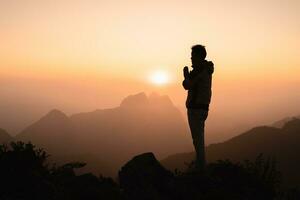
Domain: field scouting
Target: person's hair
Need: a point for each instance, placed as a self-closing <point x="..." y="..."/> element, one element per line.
<point x="199" y="50"/>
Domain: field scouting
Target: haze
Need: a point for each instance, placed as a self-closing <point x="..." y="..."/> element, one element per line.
<point x="82" y="55"/>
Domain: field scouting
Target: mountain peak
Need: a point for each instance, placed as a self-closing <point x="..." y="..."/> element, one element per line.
<point x="156" y="99"/>
<point x="138" y="99"/>
<point x="141" y="99"/>
<point x="292" y="126"/>
<point x="282" y="122"/>
<point x="55" y="114"/>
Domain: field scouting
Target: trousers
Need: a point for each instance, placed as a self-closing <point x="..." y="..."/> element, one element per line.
<point x="196" y="119"/>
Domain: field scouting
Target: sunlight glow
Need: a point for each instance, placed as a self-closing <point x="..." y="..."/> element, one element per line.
<point x="159" y="77"/>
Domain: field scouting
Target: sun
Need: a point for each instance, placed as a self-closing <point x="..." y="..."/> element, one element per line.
<point x="159" y="77"/>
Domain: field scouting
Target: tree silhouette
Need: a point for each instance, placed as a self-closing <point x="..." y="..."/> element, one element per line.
<point x="25" y="174"/>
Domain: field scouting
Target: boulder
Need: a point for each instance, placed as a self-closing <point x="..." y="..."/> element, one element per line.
<point x="143" y="177"/>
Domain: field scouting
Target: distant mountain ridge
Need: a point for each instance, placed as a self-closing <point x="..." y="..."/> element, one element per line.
<point x="141" y="123"/>
<point x="106" y="138"/>
<point x="281" y="143"/>
<point x="52" y="132"/>
<point x="282" y="122"/>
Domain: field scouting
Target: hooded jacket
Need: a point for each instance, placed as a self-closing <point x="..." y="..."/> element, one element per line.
<point x="198" y="83"/>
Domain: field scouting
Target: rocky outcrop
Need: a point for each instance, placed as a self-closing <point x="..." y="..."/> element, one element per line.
<point x="144" y="177"/>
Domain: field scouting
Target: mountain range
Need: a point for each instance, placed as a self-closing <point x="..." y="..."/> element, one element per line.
<point x="279" y="143"/>
<point x="107" y="138"/>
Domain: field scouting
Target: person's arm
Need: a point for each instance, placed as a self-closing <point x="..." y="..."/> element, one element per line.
<point x="189" y="83"/>
<point x="185" y="83"/>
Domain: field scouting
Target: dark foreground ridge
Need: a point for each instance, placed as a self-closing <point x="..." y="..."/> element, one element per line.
<point x="26" y="174"/>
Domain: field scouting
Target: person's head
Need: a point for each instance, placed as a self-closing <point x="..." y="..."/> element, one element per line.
<point x="198" y="54"/>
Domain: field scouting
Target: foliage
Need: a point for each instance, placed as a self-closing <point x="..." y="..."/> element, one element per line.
<point x="25" y="174"/>
<point x="223" y="179"/>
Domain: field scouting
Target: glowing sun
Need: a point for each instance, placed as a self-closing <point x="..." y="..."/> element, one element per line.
<point x="159" y="77"/>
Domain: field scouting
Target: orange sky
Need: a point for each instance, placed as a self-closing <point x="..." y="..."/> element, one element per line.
<point x="81" y="55"/>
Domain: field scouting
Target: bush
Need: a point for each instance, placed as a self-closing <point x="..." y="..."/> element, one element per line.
<point x="25" y="174"/>
<point x="224" y="179"/>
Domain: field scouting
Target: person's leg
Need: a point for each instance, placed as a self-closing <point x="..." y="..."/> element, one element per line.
<point x="196" y="119"/>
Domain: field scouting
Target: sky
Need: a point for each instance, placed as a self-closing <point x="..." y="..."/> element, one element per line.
<point x="81" y="55"/>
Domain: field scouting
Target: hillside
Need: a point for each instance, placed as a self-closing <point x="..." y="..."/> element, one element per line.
<point x="281" y="143"/>
<point x="109" y="137"/>
<point x="4" y="136"/>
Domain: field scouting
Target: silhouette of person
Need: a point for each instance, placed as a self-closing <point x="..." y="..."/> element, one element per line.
<point x="198" y="83"/>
